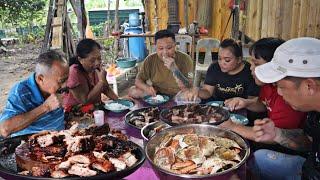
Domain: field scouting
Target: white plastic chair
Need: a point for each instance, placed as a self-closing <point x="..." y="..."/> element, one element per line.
<point x="208" y="44"/>
<point x="182" y="43"/>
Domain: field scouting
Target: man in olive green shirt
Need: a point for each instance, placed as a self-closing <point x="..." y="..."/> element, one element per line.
<point x="168" y="70"/>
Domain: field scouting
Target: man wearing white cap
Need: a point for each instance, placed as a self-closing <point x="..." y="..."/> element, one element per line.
<point x="295" y="68"/>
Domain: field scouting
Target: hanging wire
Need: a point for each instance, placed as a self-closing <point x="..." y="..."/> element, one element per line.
<point x="224" y="31"/>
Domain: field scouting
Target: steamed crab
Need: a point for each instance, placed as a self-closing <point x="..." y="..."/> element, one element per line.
<point x="193" y="154"/>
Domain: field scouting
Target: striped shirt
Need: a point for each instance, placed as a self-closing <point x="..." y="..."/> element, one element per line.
<point x="26" y="96"/>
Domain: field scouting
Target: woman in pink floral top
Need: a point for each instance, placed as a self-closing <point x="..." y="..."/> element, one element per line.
<point x="87" y="79"/>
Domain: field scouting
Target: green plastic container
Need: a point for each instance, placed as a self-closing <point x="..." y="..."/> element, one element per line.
<point x="126" y="62"/>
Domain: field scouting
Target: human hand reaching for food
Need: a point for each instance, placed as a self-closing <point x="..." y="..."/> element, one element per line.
<point x="235" y="103"/>
<point x="151" y="91"/>
<point x="192" y="94"/>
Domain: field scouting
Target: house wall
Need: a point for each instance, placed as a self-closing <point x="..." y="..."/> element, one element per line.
<point x="262" y="18"/>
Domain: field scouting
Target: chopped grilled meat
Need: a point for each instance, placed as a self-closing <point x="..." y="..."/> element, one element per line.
<point x="113" y="146"/>
<point x="118" y="134"/>
<point x="99" y="130"/>
<point x="32" y="144"/>
<point x="37" y="155"/>
<point x="25" y="173"/>
<point x="56" y="150"/>
<point x="129" y="159"/>
<point x="105" y="166"/>
<point x="137" y="118"/>
<point x="79" y="144"/>
<point x="42" y="133"/>
<point x="98" y="155"/>
<point x="40" y="171"/>
<point x="118" y="164"/>
<point x="64" y="165"/>
<point x="45" y="140"/>
<point x="79" y="159"/>
<point x="75" y="152"/>
<point x="215" y="117"/>
<point x="81" y="170"/>
<point x="59" y="174"/>
<point x="142" y="117"/>
<point x="86" y="144"/>
<point x="58" y="139"/>
<point x="192" y="113"/>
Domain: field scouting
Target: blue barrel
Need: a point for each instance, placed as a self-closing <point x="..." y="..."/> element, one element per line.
<point x="137" y="47"/>
<point x="134" y="19"/>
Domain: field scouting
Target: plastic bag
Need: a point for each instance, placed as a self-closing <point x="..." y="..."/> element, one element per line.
<point x="181" y="99"/>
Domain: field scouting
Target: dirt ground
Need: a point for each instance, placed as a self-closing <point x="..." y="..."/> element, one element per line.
<point x="19" y="63"/>
<point x="15" y="65"/>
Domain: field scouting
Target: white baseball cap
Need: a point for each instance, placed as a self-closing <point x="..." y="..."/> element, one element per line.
<point x="298" y="57"/>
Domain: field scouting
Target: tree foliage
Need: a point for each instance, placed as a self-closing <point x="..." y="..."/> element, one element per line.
<point x="90" y="4"/>
<point x="21" y="11"/>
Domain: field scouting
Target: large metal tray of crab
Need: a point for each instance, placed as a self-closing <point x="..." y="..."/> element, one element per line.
<point x="89" y="153"/>
<point x="197" y="151"/>
<point x="140" y="117"/>
<point x="194" y="114"/>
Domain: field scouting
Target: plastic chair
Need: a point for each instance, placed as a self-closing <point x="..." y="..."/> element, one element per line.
<point x="182" y="43"/>
<point x="208" y="44"/>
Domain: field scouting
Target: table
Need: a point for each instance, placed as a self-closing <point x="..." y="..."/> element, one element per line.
<point x="145" y="172"/>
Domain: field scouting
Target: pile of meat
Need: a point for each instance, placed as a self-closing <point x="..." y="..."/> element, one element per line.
<point x="194" y="154"/>
<point x="83" y="120"/>
<point x="142" y="117"/>
<point x="80" y="152"/>
<point x="193" y="113"/>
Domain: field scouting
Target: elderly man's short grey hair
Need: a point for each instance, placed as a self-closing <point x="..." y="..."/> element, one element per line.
<point x="45" y="61"/>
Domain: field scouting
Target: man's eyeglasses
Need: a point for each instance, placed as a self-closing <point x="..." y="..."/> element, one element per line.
<point x="63" y="90"/>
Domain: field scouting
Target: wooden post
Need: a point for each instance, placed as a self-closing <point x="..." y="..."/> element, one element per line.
<point x="195" y="13"/>
<point x="235" y="27"/>
<point x="244" y="24"/>
<point x="204" y="16"/>
<point x="264" y="23"/>
<point x="186" y="13"/>
<point x="69" y="45"/>
<point x="271" y="18"/>
<point x="311" y="26"/>
<point x="156" y="16"/>
<point x="295" y="18"/>
<point x="59" y="28"/>
<point x="116" y="17"/>
<point x="45" y="45"/>
<point x="79" y="9"/>
<point x="108" y="25"/>
<point x="286" y="19"/>
<point x="303" y="19"/>
<point x="57" y="33"/>
<point x="116" y="28"/>
<point x="217" y="28"/>
<point x="146" y="6"/>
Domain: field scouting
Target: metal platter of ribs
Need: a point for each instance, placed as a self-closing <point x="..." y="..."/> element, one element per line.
<point x="194" y="114"/>
<point x="92" y="153"/>
<point x="141" y="117"/>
